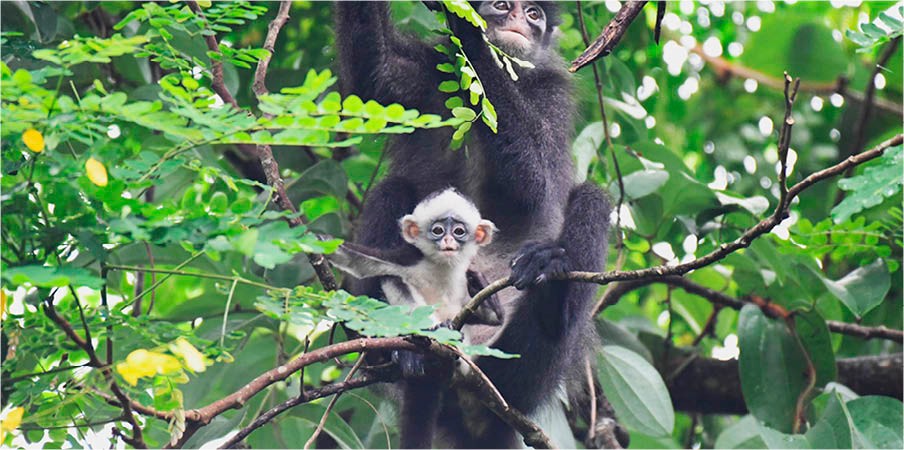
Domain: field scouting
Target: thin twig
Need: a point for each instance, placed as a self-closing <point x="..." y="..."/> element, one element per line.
<point x="784" y="137"/>
<point x="720" y="299"/>
<point x="311" y="394"/>
<point x="610" y="36"/>
<point x="866" y="110"/>
<point x="332" y="404"/>
<point x="136" y="440"/>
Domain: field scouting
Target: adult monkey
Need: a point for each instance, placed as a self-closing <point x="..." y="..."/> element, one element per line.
<point x="520" y="178"/>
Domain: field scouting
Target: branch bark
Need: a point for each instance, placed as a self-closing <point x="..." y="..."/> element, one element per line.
<point x="659" y="272"/>
<point x="725" y="69"/>
<point x="710" y="386"/>
<point x="610" y="36"/>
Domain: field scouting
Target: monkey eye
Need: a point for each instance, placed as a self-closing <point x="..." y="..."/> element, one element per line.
<point x="459" y="231"/>
<point x="437" y="230"/>
<point x="502" y="6"/>
<point x="533" y="13"/>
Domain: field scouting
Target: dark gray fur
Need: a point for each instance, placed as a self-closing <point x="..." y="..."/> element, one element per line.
<point x="521" y="179"/>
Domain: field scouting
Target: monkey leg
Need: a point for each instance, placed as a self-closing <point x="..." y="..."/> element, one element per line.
<point x="549" y="324"/>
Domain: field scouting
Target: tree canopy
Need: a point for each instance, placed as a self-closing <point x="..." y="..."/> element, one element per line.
<point x="173" y="173"/>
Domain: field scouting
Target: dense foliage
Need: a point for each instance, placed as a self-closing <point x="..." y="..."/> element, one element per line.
<point x="146" y="256"/>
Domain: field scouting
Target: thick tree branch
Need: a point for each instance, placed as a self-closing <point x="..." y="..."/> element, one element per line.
<point x="725" y="69"/>
<point x="659" y="272"/>
<point x="721" y="299"/>
<point x="710" y="386"/>
<point x="610" y="36"/>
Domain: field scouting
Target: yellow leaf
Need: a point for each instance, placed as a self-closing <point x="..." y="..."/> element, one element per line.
<point x="2" y="303"/>
<point x="12" y="421"/>
<point x="97" y="173"/>
<point x="194" y="359"/>
<point x="143" y="363"/>
<point x="205" y="3"/>
<point x="34" y="140"/>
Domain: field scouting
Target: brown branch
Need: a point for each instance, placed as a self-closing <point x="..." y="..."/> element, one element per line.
<point x="137" y="440"/>
<point x="784" y="137"/>
<point x="659" y="272"/>
<point x="725" y="69"/>
<point x="720" y="299"/>
<point x="310" y="394"/>
<point x="711" y="386"/>
<point x="263" y="152"/>
<point x="200" y="417"/>
<point x="610" y="36"/>
<point x="332" y="404"/>
<point x="477" y="382"/>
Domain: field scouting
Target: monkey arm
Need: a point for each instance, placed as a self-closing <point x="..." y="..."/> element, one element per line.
<point x="376" y="62"/>
<point x="529" y="153"/>
<point x="363" y="262"/>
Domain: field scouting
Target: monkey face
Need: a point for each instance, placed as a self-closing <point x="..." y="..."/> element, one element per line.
<point x="515" y="26"/>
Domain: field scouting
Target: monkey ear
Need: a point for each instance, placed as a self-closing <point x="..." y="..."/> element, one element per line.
<point x="483" y="234"/>
<point x="410" y="230"/>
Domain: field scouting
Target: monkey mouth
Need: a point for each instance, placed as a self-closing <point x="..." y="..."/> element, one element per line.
<point x="448" y="251"/>
<point x="515" y="31"/>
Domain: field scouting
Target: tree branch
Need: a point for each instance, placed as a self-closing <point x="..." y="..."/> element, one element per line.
<point x="725" y="69"/>
<point x="136" y="440"/>
<point x="610" y="36"/>
<point x="659" y="272"/>
<point x="723" y="300"/>
<point x="263" y="152"/>
<point x="711" y="386"/>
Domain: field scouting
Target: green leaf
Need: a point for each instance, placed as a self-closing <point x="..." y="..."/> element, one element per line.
<point x="643" y="182"/>
<point x="636" y="391"/>
<point x="335" y="425"/>
<point x="464" y="113"/>
<point x="448" y="86"/>
<point x="875" y="184"/>
<point x="585" y="147"/>
<point x="44" y="276"/>
<point x="862" y="289"/>
<point x="744" y="433"/>
<point x="772" y="369"/>
<point x="779" y="440"/>
<point x="832" y="430"/>
<point x="877" y="421"/>
<point x="445" y="68"/>
<point x="813" y="332"/>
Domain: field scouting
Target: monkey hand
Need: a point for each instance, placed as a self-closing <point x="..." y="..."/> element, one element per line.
<point x="537" y="262"/>
<point x="415" y="365"/>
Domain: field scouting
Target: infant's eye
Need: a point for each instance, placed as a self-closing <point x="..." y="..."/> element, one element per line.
<point x="458" y="231"/>
<point x="502" y="6"/>
<point x="437" y="230"/>
<point x="533" y="13"/>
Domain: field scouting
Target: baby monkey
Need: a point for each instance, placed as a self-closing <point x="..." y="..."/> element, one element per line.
<point x="445" y="230"/>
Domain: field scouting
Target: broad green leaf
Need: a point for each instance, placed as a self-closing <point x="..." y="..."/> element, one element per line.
<point x="44" y="276"/>
<point x="744" y="433"/>
<point x="772" y="369"/>
<point x="877" y="422"/>
<point x="779" y="440"/>
<point x="636" y="391"/>
<point x="643" y="182"/>
<point x="814" y="334"/>
<point x="585" y="147"/>
<point x="862" y="289"/>
<point x="335" y="425"/>
<point x="832" y="430"/>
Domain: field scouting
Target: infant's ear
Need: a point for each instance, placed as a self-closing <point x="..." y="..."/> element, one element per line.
<point x="483" y="235"/>
<point x="410" y="230"/>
